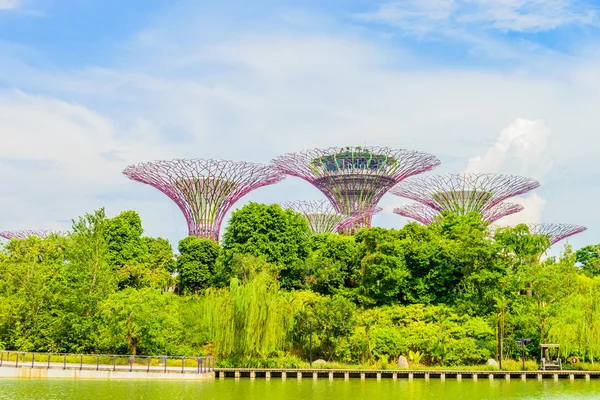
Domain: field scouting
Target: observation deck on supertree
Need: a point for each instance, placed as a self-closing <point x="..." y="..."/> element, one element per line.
<point x="465" y="193"/>
<point x="555" y="231"/>
<point x="354" y="179"/>
<point x="323" y="218"/>
<point x="426" y="215"/>
<point x="204" y="189"/>
<point x="25" y="233"/>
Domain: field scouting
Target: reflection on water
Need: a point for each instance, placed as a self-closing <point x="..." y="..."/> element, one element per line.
<point x="291" y="389"/>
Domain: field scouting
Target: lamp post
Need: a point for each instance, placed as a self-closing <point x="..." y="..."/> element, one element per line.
<point x="522" y="343"/>
<point x="311" y="343"/>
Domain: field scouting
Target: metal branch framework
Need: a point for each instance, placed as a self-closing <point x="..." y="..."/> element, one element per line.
<point x="555" y="231"/>
<point x="323" y="218"/>
<point x="26" y="233"/>
<point x="354" y="179"/>
<point x="204" y="189"/>
<point x="425" y="215"/>
<point x="464" y="193"/>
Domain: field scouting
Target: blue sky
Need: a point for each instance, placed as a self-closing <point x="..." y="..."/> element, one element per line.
<point x="88" y="87"/>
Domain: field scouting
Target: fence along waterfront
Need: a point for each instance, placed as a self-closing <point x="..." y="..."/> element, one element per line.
<point x="107" y="362"/>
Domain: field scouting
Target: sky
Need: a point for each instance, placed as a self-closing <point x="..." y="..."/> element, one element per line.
<point x="88" y="87"/>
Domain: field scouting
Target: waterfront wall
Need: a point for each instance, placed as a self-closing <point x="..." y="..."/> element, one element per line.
<point x="45" y="373"/>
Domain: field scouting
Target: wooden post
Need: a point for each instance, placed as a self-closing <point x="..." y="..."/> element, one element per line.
<point x="410" y="376"/>
<point x="362" y="376"/>
<point x="315" y="375"/>
<point x="426" y="376"/>
<point x="299" y="376"/>
<point x="555" y="377"/>
<point x="571" y="377"/>
<point x="443" y="377"/>
<point x="268" y="375"/>
<point x="284" y="375"/>
<point x="507" y="377"/>
<point x="346" y="376"/>
<point x="587" y="377"/>
<point x="252" y="375"/>
<point x="458" y="377"/>
<point x="395" y="376"/>
<point x="540" y="377"/>
<point x="491" y="377"/>
<point x="523" y="377"/>
<point x="236" y="374"/>
<point x="331" y="376"/>
<point x="379" y="376"/>
<point x="474" y="377"/>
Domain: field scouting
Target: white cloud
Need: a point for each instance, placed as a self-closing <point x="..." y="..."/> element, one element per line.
<point x="424" y="16"/>
<point x="522" y="148"/>
<point x="533" y="213"/>
<point x="9" y="4"/>
<point x="254" y="96"/>
<point x="58" y="159"/>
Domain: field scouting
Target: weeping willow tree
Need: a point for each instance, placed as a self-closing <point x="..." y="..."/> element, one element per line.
<point x="252" y="319"/>
<point x="576" y="327"/>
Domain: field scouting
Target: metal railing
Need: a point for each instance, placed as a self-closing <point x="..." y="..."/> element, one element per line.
<point x="107" y="362"/>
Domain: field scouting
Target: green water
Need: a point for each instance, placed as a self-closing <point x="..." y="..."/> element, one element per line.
<point x="276" y="389"/>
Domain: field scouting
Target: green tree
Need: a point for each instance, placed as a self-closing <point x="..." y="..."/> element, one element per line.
<point x="29" y="290"/>
<point x="333" y="319"/>
<point x="140" y="321"/>
<point x="519" y="246"/>
<point x="123" y="235"/>
<point x="87" y="279"/>
<point x="588" y="258"/>
<point x="550" y="282"/>
<point x="280" y="236"/>
<point x="252" y="319"/>
<point x="477" y="271"/>
<point x="153" y="267"/>
<point x="384" y="275"/>
<point x="333" y="264"/>
<point x="576" y="323"/>
<point x="196" y="263"/>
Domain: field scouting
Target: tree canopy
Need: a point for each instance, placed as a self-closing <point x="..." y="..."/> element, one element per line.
<point x="438" y="293"/>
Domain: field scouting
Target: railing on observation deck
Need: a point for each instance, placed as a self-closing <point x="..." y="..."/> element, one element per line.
<point x="107" y="362"/>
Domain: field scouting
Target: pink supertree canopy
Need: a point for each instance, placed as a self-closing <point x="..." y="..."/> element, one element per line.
<point x="25" y="233"/>
<point x="355" y="178"/>
<point x="464" y="193"/>
<point x="323" y="218"/>
<point x="555" y="232"/>
<point x="426" y="215"/>
<point x="204" y="189"/>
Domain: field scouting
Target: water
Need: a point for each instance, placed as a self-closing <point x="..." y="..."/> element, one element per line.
<point x="276" y="389"/>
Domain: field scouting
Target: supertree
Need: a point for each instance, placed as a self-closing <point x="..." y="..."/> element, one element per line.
<point x="355" y="178"/>
<point x="555" y="231"/>
<point x="464" y="193"/>
<point x="204" y="189"/>
<point x="426" y="215"/>
<point x="25" y="233"/>
<point x="323" y="218"/>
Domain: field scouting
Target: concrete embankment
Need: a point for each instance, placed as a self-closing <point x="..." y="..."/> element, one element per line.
<point x="51" y="373"/>
<point x="268" y="373"/>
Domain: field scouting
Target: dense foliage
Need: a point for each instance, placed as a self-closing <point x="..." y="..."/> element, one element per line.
<point x="438" y="294"/>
